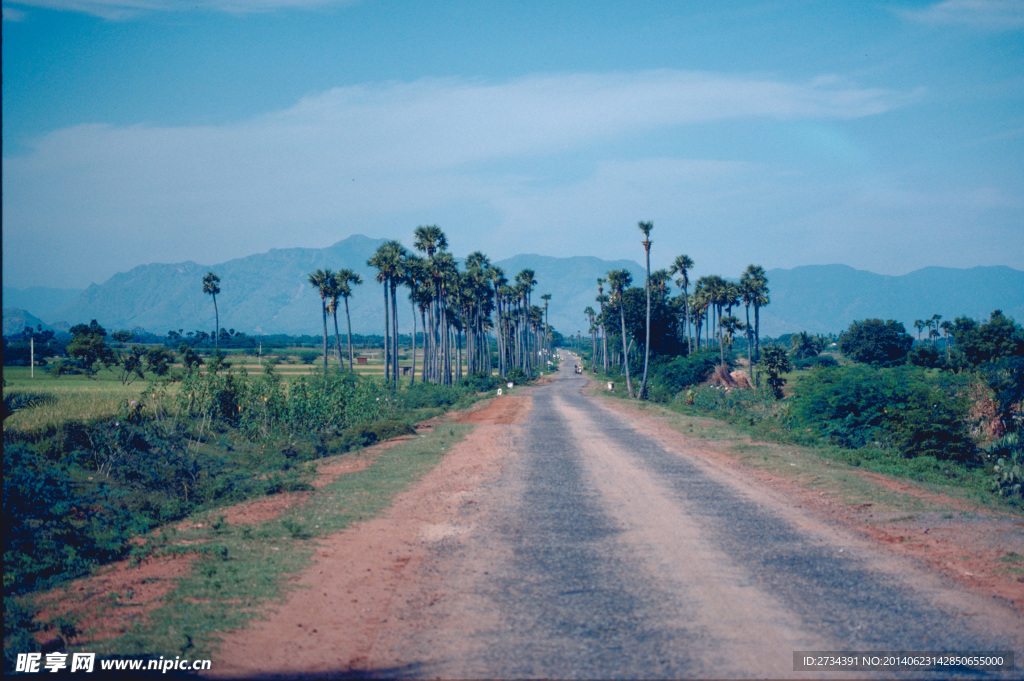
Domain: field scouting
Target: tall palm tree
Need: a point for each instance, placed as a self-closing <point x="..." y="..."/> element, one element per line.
<point x="946" y="327"/>
<point x="547" y="333"/>
<point x="388" y="261"/>
<point x="591" y="314"/>
<point x="333" y="294"/>
<point x="681" y="267"/>
<point x="933" y="326"/>
<point x="601" y="299"/>
<point x="646" y="228"/>
<point x="619" y="281"/>
<point x="755" y="284"/>
<point x="346" y="279"/>
<point x="211" y="285"/>
<point x="526" y="281"/>
<point x="323" y="281"/>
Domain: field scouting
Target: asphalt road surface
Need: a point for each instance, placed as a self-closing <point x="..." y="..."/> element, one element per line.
<point x="602" y="552"/>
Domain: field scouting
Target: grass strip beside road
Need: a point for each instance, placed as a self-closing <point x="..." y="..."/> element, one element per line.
<point x="242" y="568"/>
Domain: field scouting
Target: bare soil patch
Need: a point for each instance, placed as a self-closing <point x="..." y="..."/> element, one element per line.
<point x="362" y="578"/>
<point x="118" y="597"/>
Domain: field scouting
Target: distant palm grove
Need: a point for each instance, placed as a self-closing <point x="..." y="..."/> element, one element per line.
<point x="457" y="312"/>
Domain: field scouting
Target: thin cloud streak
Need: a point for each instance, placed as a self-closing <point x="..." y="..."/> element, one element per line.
<point x="992" y="15"/>
<point x="122" y="10"/>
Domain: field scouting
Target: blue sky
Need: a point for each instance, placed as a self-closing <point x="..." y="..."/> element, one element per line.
<point x="884" y="135"/>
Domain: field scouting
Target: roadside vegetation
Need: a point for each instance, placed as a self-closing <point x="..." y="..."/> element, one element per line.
<point x="945" y="408"/>
<point x="113" y="437"/>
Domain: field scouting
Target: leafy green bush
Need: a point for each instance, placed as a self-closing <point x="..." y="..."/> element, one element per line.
<point x="481" y="384"/>
<point x="667" y="379"/>
<point x="421" y="395"/>
<point x="926" y="355"/>
<point x="898" y="408"/>
<point x="816" y="361"/>
<point x="1008" y="472"/>
<point x="368" y="434"/>
<point x="872" y="341"/>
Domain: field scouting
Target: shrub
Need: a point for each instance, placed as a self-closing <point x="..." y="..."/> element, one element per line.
<point x="368" y="434"/>
<point x="421" y="395"/>
<point x="926" y="355"/>
<point x="667" y="379"/>
<point x="1008" y="472"/>
<point x="480" y="383"/>
<point x="309" y="356"/>
<point x="817" y="361"/>
<point x="859" y="406"/>
<point x="872" y="341"/>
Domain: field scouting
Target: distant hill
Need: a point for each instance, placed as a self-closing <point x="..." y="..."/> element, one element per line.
<point x="16" y="319"/>
<point x="827" y="298"/>
<point x="270" y="293"/>
<point x="43" y="301"/>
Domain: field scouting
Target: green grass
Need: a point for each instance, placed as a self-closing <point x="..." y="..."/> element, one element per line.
<point x="75" y="398"/>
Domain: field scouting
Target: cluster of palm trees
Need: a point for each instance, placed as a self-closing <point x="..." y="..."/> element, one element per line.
<point x="933" y="325"/>
<point x="452" y="304"/>
<point x="709" y="309"/>
<point x="333" y="286"/>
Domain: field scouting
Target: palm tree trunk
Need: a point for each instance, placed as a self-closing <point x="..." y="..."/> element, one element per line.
<point x="337" y="336"/>
<point x="348" y="320"/>
<point x="647" y="338"/>
<point x="323" y="310"/>
<point x="412" y="372"/>
<point x="757" y="342"/>
<point x="387" y="336"/>
<point x="394" y="328"/>
<point x="625" y="351"/>
<point x="216" y="330"/>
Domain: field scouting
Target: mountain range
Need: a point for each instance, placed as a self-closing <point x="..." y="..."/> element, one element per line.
<point x="270" y="293"/>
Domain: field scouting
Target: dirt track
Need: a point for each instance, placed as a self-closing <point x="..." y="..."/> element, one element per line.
<point x="560" y="541"/>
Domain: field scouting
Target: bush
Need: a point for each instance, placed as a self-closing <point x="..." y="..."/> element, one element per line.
<point x="364" y="435"/>
<point x="481" y="384"/>
<point x="878" y="343"/>
<point x="421" y="395"/>
<point x="926" y="355"/>
<point x="859" y="406"/>
<point x="1008" y="472"/>
<point x="813" y="362"/>
<point x="309" y="356"/>
<point x="669" y="378"/>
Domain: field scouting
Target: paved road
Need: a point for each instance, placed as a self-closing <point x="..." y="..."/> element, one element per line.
<point x="601" y="553"/>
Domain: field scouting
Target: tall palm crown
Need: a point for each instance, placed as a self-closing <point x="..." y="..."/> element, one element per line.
<point x="429" y="239"/>
<point x="211" y="286"/>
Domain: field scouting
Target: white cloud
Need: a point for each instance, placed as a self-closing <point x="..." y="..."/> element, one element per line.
<point x="11" y="14"/>
<point x="997" y="15"/>
<point x="364" y="157"/>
